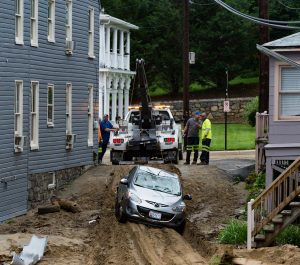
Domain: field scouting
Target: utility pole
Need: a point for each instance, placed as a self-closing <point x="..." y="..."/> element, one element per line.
<point x="264" y="60"/>
<point x="185" y="53"/>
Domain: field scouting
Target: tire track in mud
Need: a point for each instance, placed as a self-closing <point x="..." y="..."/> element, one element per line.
<point x="164" y="246"/>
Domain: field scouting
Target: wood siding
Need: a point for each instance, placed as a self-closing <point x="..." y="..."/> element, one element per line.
<point x="47" y="64"/>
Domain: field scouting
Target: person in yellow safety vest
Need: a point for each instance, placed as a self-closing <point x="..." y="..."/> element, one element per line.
<point x="206" y="135"/>
<point x="191" y="130"/>
<point x="99" y="141"/>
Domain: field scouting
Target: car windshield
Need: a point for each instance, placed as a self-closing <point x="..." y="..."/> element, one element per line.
<point x="160" y="182"/>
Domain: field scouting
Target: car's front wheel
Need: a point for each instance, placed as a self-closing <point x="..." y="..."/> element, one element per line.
<point x="119" y="212"/>
<point x="180" y="229"/>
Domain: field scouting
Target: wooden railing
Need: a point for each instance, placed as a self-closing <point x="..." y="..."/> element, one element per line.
<point x="262" y="133"/>
<point x="274" y="199"/>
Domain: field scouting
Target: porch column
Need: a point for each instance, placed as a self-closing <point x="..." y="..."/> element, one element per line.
<point x="102" y="49"/>
<point x="121" y="48"/>
<point x="127" y="66"/>
<point x="107" y="46"/>
<point x="115" y="49"/>
<point x="121" y="98"/>
<point x="107" y="96"/>
<point x="114" y="98"/>
<point x="102" y="92"/>
<point x="126" y="95"/>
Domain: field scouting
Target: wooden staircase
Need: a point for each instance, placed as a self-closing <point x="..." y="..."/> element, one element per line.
<point x="275" y="208"/>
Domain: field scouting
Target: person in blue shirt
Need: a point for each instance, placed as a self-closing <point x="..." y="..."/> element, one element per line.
<point x="106" y="127"/>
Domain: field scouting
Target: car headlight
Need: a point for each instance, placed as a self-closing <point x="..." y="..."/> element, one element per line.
<point x="134" y="197"/>
<point x="179" y="208"/>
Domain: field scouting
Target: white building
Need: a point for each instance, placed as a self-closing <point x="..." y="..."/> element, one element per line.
<point x="114" y="66"/>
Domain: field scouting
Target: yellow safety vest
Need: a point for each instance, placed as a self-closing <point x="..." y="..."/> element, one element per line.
<point x="206" y="125"/>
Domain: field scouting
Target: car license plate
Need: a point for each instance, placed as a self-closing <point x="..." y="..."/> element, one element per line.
<point x="155" y="215"/>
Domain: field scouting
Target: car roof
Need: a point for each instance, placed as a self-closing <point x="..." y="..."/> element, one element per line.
<point x="158" y="171"/>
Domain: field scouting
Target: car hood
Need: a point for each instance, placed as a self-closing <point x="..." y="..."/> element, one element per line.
<point x="156" y="196"/>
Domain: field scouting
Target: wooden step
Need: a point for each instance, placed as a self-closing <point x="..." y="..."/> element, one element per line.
<point x="260" y="237"/>
<point x="277" y="220"/>
<point x="286" y="212"/>
<point x="294" y="204"/>
<point x="269" y="228"/>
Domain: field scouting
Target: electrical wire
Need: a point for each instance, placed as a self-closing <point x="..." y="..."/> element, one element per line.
<point x="288" y="7"/>
<point x="261" y="19"/>
<point x="257" y="20"/>
<point x="201" y="4"/>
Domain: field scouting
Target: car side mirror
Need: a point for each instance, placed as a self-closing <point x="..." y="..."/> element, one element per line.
<point x="124" y="181"/>
<point x="187" y="197"/>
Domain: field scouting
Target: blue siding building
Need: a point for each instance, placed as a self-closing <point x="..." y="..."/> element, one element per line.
<point x="48" y="97"/>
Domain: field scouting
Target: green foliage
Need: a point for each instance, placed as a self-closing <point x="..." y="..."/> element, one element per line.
<point x="220" y="39"/>
<point x="250" y="111"/>
<point x="290" y="235"/>
<point x="243" y="80"/>
<point x="239" y="137"/>
<point x="255" y="184"/>
<point x="235" y="233"/>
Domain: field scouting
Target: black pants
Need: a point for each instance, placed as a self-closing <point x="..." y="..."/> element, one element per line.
<point x="192" y="145"/>
<point x="104" y="147"/>
<point x="205" y="151"/>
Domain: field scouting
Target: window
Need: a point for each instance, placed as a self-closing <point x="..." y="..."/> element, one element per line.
<point x="91" y="33"/>
<point x="69" y="108"/>
<point x="69" y="136"/>
<point x="68" y="20"/>
<point x="34" y="23"/>
<point x="34" y="129"/>
<point x="289" y="93"/>
<point x="51" y="20"/>
<point x="69" y="42"/>
<point x="18" y="137"/>
<point x="90" y="115"/>
<point x="50" y="105"/>
<point x="19" y="21"/>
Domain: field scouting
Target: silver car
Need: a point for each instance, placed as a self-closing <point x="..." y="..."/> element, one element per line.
<point x="153" y="196"/>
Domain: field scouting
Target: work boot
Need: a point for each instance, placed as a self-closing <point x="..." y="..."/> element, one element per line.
<point x="194" y="162"/>
<point x="186" y="163"/>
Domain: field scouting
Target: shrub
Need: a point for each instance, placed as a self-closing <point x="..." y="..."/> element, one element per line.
<point x="290" y="235"/>
<point x="255" y="184"/>
<point x="234" y="233"/>
<point x="250" y="111"/>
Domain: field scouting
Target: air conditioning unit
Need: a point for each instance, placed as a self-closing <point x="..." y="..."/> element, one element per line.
<point x="70" y="139"/>
<point x="69" y="47"/>
<point x="19" y="143"/>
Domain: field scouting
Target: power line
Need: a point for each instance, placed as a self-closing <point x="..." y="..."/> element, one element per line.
<point x="271" y="23"/>
<point x="288" y="7"/>
<point x="201" y="4"/>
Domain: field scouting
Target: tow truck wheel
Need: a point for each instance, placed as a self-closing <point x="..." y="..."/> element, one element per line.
<point x="180" y="155"/>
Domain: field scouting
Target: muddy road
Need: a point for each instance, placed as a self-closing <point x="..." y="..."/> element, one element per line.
<point x="73" y="240"/>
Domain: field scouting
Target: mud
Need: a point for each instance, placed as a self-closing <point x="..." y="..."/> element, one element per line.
<point x="74" y="240"/>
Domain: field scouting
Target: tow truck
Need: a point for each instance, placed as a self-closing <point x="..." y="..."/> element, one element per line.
<point x="148" y="132"/>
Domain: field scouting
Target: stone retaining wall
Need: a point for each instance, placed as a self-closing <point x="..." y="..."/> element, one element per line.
<point x="213" y="106"/>
<point x="38" y="191"/>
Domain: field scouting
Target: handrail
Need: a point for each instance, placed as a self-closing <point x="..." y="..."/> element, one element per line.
<point x="278" y="195"/>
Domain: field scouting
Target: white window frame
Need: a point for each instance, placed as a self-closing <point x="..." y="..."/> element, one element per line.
<point x="19" y="22"/>
<point x="69" y="10"/>
<point x="91" y="32"/>
<point x="90" y="114"/>
<point x="19" y="107"/>
<point x="50" y="122"/>
<point x="34" y="23"/>
<point x="278" y="92"/>
<point x="69" y="108"/>
<point x="18" y="135"/>
<point x="51" y="20"/>
<point x="34" y="116"/>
